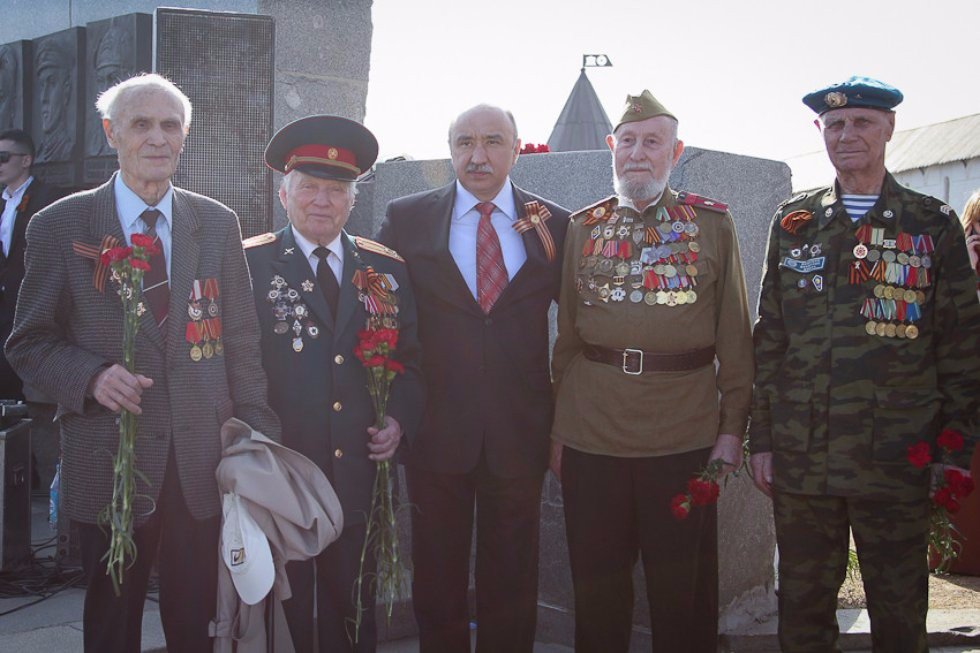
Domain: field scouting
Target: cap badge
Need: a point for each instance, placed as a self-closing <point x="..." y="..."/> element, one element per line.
<point x="835" y="99"/>
<point x="636" y="107"/>
<point x="332" y="153"/>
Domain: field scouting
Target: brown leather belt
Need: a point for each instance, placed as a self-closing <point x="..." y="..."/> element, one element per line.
<point x="637" y="361"/>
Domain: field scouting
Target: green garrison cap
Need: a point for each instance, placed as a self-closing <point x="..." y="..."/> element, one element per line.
<point x="642" y="106"/>
<point x="855" y="92"/>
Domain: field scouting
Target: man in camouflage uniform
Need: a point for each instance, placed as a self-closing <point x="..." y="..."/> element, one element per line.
<point x="652" y="293"/>
<point x="867" y="343"/>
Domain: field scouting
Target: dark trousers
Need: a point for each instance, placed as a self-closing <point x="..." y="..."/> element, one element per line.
<point x="187" y="561"/>
<point x="507" y="533"/>
<point x="331" y="577"/>
<point x="891" y="539"/>
<point x="617" y="509"/>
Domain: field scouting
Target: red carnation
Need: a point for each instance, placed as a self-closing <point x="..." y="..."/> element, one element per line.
<point x="139" y="264"/>
<point x="919" y="454"/>
<point x="950" y="440"/>
<point x="140" y="240"/>
<point x="680" y="507"/>
<point x="702" y="492"/>
<point x="394" y="366"/>
<point x="375" y="361"/>
<point x="116" y="254"/>
<point x="960" y="485"/>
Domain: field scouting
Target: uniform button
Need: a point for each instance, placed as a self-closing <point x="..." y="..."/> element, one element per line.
<point x="339" y="453"/>
<point x="338" y="359"/>
<point x="337" y="406"/>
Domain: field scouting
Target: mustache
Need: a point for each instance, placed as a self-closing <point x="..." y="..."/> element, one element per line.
<point x="637" y="168"/>
<point x="479" y="168"/>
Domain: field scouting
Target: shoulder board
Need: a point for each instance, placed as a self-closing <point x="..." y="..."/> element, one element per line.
<point x="374" y="247"/>
<point x="261" y="239"/>
<point x="792" y="200"/>
<point x="598" y="212"/>
<point x="936" y="205"/>
<point x="691" y="199"/>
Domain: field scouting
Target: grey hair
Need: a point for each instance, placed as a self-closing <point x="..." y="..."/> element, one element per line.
<point x="287" y="183"/>
<point x="109" y="99"/>
<point x="506" y="112"/>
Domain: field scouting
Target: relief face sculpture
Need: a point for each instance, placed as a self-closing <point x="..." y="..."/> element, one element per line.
<point x="8" y="87"/>
<point x="111" y="63"/>
<point x="54" y="75"/>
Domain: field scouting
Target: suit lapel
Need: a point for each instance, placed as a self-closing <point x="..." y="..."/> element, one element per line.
<point x="185" y="252"/>
<point x="439" y="215"/>
<point x="292" y="266"/>
<point x="347" y="303"/>
<point x="534" y="274"/>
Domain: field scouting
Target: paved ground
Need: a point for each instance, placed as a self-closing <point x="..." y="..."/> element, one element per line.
<point x="40" y="625"/>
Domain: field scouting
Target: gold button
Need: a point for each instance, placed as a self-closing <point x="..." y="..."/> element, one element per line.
<point x="338" y="359"/>
<point x="338" y="453"/>
<point x="337" y="406"/>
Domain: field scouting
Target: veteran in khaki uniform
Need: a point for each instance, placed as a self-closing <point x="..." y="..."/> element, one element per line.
<point x="867" y="343"/>
<point x="315" y="288"/>
<point x="652" y="294"/>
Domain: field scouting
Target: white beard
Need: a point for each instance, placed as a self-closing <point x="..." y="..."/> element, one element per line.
<point x="639" y="191"/>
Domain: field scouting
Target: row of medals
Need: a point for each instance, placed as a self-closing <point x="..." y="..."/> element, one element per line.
<point x="291" y="314"/>
<point x="681" y="236"/>
<point x="207" y="349"/>
<point x="887" y="254"/>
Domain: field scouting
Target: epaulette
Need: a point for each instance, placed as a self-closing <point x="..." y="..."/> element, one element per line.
<point x="792" y="200"/>
<point x="937" y="205"/>
<point x="261" y="239"/>
<point x="691" y="199"/>
<point x="598" y="212"/>
<point x="375" y="247"/>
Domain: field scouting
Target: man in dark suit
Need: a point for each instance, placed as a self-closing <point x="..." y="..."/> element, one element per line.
<point x="22" y="197"/>
<point x="67" y="341"/>
<point x="315" y="289"/>
<point x="483" y="258"/>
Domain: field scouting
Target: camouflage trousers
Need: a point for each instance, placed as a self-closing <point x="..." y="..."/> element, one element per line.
<point x="891" y="539"/>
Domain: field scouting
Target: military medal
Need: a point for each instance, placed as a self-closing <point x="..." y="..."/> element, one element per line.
<point x="207" y="350"/>
<point x="297" y="344"/>
<point x="196" y="353"/>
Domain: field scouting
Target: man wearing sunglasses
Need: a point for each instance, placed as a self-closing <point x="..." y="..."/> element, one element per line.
<point x="22" y="197"/>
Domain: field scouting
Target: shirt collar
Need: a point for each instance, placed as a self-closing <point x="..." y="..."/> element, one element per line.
<point x="307" y="246"/>
<point x="129" y="205"/>
<point x="628" y="203"/>
<point x="18" y="192"/>
<point x="467" y="201"/>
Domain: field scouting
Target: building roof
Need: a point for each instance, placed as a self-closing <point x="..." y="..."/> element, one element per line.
<point x="583" y="123"/>
<point x="936" y="144"/>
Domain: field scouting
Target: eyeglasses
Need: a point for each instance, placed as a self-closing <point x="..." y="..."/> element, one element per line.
<point x="5" y="156"/>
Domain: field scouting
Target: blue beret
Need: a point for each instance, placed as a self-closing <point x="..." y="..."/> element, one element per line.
<point x="861" y="92"/>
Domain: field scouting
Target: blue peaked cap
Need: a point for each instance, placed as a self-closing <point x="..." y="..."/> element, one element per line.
<point x="860" y="92"/>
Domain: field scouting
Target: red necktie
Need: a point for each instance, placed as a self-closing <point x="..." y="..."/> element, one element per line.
<point x="156" y="286"/>
<point x="491" y="275"/>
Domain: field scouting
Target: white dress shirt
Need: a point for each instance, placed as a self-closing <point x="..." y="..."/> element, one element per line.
<point x="14" y="199"/>
<point x="129" y="207"/>
<point x="335" y="259"/>
<point x="463" y="230"/>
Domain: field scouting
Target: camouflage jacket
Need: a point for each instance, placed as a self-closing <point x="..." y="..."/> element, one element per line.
<point x="866" y="343"/>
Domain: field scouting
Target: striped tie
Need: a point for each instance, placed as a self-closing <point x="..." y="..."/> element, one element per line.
<point x="491" y="275"/>
<point x="156" y="286"/>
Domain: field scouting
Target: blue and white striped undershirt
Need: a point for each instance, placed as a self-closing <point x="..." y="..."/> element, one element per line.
<point x="857" y="205"/>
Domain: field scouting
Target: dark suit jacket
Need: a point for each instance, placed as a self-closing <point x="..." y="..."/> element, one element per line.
<point x="320" y="392"/>
<point x="38" y="196"/>
<point x="66" y="331"/>
<point x="487" y="376"/>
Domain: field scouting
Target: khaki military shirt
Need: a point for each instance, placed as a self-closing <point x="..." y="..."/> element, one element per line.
<point x="867" y="343"/>
<point x="600" y="409"/>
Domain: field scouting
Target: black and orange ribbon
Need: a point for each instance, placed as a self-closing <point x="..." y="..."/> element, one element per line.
<point x="792" y="222"/>
<point x="535" y="217"/>
<point x="94" y="253"/>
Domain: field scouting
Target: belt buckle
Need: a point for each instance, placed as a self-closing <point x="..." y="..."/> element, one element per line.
<point x="626" y="358"/>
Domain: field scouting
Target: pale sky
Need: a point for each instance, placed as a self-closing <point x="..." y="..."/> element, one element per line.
<point x="733" y="71"/>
